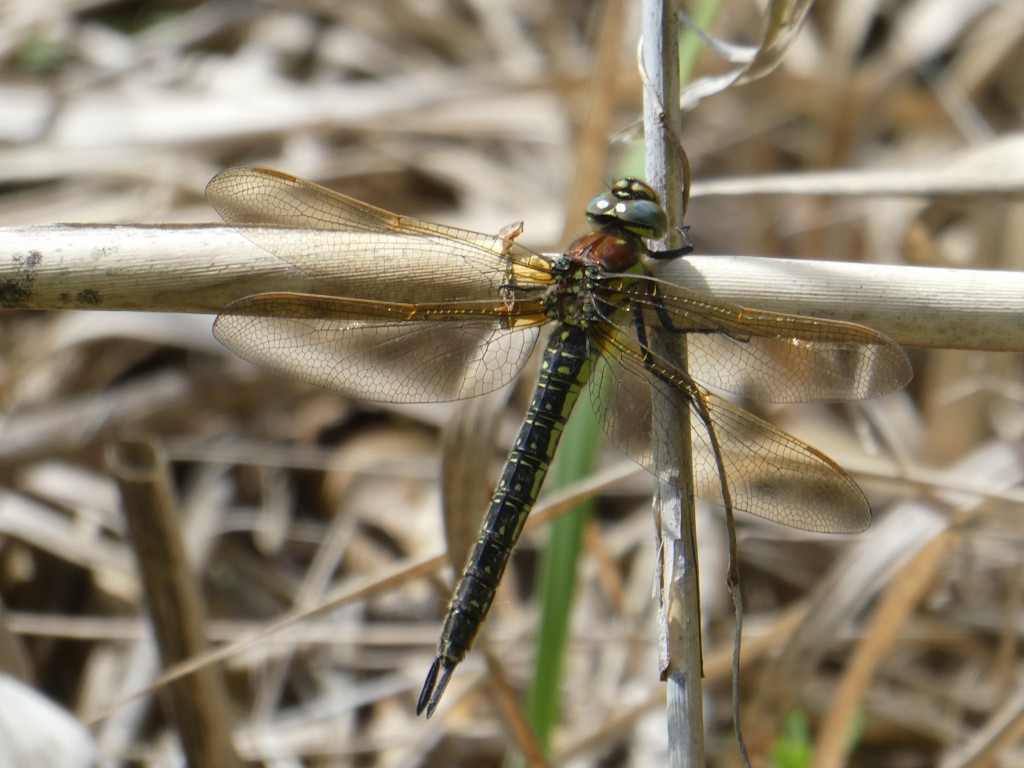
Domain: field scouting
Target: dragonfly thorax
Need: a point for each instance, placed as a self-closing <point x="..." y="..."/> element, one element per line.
<point x="607" y="250"/>
<point x="570" y="298"/>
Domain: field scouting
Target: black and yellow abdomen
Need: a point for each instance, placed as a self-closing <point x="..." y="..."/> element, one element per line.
<point x="565" y="367"/>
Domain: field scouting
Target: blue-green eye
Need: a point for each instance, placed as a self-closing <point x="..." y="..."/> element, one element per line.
<point x="630" y="205"/>
<point x="645" y="218"/>
<point x="602" y="206"/>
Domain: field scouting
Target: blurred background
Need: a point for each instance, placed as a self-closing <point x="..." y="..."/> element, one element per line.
<point x="900" y="645"/>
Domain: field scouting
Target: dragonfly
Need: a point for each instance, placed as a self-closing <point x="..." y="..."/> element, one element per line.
<point x="408" y="311"/>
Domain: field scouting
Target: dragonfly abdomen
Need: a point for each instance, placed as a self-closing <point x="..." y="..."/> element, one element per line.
<point x="565" y="368"/>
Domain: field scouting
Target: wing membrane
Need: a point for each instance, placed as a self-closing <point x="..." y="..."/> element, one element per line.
<point x="420" y="312"/>
<point x="770" y="473"/>
<point x="380" y="351"/>
<point x="765" y="355"/>
<point x="360" y="251"/>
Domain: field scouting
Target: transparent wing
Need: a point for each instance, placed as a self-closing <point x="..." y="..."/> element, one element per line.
<point x="364" y="252"/>
<point x="382" y="351"/>
<point x="756" y="353"/>
<point x="770" y="474"/>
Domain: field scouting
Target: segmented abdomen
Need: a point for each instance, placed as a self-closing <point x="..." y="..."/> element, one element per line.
<point x="565" y="367"/>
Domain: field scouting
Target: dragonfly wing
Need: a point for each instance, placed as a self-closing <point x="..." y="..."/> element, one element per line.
<point x="770" y="473"/>
<point x="765" y="355"/>
<point x="380" y="351"/>
<point x="362" y="251"/>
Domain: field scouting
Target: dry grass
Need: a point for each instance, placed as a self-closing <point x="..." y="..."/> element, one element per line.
<point x="296" y="501"/>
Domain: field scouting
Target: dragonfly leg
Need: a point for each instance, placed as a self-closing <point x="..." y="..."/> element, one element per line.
<point x="692" y="396"/>
<point x="674" y="253"/>
<point x="668" y="325"/>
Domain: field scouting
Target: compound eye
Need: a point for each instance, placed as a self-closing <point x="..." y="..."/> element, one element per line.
<point x="603" y="207"/>
<point x="640" y="216"/>
<point x="644" y="217"/>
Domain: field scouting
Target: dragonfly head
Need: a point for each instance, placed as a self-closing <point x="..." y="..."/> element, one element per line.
<point x="630" y="205"/>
